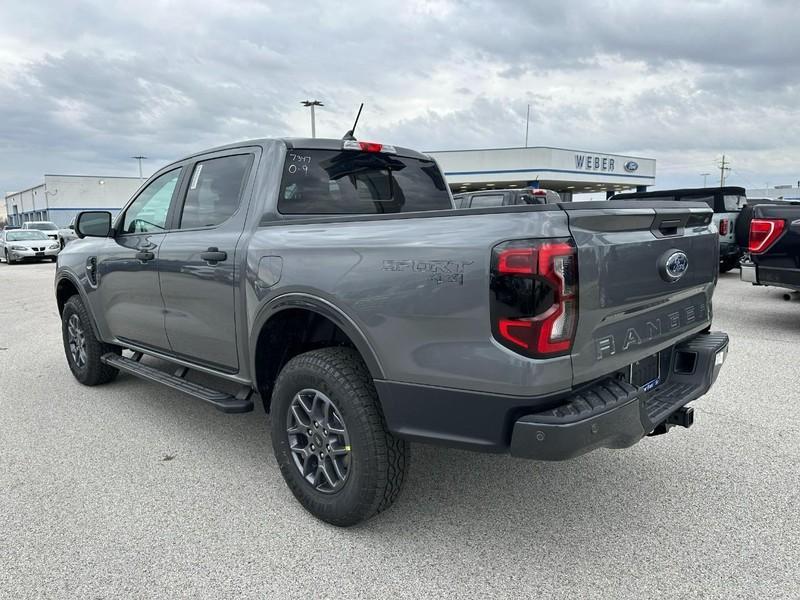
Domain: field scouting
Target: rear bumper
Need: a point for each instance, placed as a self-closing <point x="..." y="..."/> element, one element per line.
<point x="615" y="414"/>
<point x="774" y="276"/>
<point x="609" y="413"/>
<point x="728" y="250"/>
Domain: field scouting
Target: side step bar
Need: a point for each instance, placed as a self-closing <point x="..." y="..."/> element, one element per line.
<point x="221" y="400"/>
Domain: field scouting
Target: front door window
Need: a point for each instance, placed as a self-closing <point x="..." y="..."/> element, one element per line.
<point x="148" y="213"/>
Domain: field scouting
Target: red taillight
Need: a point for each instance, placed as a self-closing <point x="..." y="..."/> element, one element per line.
<point x="517" y="261"/>
<point x="764" y="233"/>
<point x="723" y="227"/>
<point x="536" y="297"/>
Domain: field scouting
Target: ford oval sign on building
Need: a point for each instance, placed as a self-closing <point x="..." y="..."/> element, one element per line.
<point x="631" y="166"/>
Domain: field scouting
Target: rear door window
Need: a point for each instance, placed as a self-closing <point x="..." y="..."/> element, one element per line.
<point x="351" y="182"/>
<point x="215" y="190"/>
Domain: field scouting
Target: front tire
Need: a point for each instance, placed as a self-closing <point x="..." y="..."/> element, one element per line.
<point x="82" y="347"/>
<point x="330" y="438"/>
<point x="8" y="258"/>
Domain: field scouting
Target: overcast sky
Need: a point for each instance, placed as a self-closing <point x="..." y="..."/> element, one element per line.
<point x="84" y="88"/>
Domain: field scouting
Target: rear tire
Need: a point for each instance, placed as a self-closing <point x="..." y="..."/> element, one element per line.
<point x="371" y="472"/>
<point x="82" y="347"/>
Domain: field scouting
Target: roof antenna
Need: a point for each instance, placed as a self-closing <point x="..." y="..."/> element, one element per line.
<point x="349" y="135"/>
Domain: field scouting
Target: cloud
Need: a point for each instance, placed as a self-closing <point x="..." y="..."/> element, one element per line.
<point x="84" y="87"/>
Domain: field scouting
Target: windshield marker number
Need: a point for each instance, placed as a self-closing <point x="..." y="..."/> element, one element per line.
<point x="298" y="158"/>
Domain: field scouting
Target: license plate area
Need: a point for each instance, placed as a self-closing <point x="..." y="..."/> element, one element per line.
<point x="646" y="373"/>
<point x="40" y="254"/>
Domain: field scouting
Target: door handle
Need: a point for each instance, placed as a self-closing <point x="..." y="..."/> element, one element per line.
<point x="145" y="256"/>
<point x="213" y="255"/>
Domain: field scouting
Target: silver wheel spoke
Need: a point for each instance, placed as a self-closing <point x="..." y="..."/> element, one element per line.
<point x="304" y="452"/>
<point x="303" y="403"/>
<point x="301" y="418"/>
<point x="340" y="473"/>
<point x="326" y="473"/>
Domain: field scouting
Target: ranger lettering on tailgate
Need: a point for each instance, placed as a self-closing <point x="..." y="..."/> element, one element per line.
<point x="650" y="328"/>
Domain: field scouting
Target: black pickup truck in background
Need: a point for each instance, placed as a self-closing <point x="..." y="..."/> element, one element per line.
<point x="774" y="246"/>
<point x="507" y="197"/>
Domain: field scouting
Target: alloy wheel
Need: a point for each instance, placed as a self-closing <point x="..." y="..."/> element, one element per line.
<point x="318" y="440"/>
<point x="76" y="340"/>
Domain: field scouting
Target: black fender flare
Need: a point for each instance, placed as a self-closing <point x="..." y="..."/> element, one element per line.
<point x="324" y="308"/>
<point x="66" y="275"/>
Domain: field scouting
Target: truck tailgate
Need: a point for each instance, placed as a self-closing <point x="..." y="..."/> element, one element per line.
<point x="646" y="276"/>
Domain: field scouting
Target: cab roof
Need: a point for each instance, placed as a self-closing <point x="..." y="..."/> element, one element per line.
<point x="306" y="143"/>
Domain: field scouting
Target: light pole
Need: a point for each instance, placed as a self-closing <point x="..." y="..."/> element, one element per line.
<point x="527" y="122"/>
<point x="704" y="175"/>
<point x="311" y="104"/>
<point x="140" y="159"/>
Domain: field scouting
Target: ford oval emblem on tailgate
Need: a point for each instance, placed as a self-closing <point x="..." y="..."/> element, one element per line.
<point x="674" y="266"/>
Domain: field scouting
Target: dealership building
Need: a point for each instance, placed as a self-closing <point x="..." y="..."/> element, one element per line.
<point x="61" y="197"/>
<point x="568" y="172"/>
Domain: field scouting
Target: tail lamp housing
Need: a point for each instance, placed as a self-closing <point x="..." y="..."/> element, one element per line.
<point x="534" y="304"/>
<point x="724" y="227"/>
<point x="764" y="233"/>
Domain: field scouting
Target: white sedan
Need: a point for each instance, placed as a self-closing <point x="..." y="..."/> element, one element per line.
<point x="21" y="244"/>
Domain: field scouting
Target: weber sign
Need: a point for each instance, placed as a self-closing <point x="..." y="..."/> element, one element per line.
<point x="594" y="162"/>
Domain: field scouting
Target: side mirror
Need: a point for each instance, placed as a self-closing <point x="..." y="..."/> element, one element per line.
<point x="94" y="223"/>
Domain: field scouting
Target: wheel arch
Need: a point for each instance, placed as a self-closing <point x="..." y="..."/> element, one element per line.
<point x="68" y="286"/>
<point x="300" y="322"/>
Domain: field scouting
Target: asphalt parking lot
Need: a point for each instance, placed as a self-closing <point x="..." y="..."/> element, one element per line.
<point x="135" y="490"/>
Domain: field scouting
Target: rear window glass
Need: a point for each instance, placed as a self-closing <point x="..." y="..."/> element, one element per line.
<point x="460" y="201"/>
<point x="734" y="203"/>
<point x="348" y="182"/>
<point x="707" y="199"/>
<point x="487" y="200"/>
<point x="41" y="225"/>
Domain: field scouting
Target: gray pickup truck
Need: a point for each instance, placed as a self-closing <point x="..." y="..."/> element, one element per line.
<point x="335" y="280"/>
